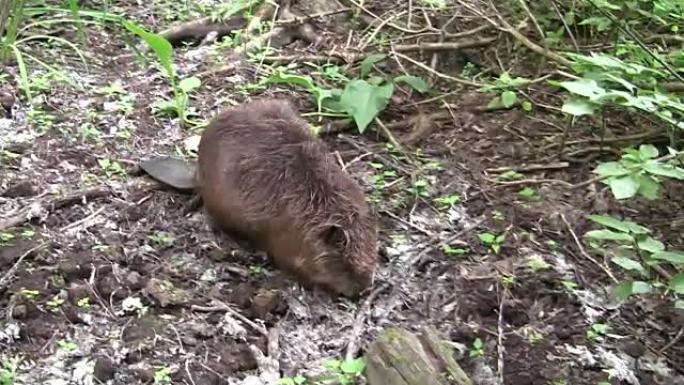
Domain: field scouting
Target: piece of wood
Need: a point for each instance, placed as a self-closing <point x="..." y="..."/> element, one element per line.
<point x="399" y="357"/>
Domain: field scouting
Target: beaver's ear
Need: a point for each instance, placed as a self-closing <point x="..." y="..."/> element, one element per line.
<point x="335" y="236"/>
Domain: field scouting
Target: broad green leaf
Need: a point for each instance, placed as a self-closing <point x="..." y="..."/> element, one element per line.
<point x="158" y="43"/>
<point x="353" y="366"/>
<point x="189" y="84"/>
<point x="648" y="187"/>
<point x="578" y="107"/>
<point x="676" y="257"/>
<point x="416" y="82"/>
<point x="666" y="170"/>
<point x="487" y="238"/>
<point x="623" y="187"/>
<point x="588" y="88"/>
<point x="508" y="98"/>
<point x="677" y="283"/>
<point x="364" y="101"/>
<point x="651" y="245"/>
<point x="625" y="289"/>
<point x="608" y="235"/>
<point x="629" y="264"/>
<point x="609" y="221"/>
<point x="648" y="151"/>
<point x="369" y="61"/>
<point x="495" y="103"/>
<point x="610" y="169"/>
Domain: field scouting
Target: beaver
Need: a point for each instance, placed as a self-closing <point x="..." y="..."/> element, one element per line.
<point x="264" y="177"/>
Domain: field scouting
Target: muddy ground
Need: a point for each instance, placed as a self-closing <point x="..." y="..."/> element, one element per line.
<point x="111" y="281"/>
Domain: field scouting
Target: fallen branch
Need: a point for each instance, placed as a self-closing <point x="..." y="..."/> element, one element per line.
<point x="445" y="46"/>
<point x="48" y="204"/>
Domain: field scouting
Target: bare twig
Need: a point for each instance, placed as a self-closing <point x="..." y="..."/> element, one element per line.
<point x="444" y="46"/>
<point x="584" y="253"/>
<point x="8" y="275"/>
<point x="221" y="306"/>
<point x="531" y="167"/>
<point x="436" y="73"/>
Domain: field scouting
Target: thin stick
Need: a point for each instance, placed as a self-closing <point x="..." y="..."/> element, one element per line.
<point x="6" y="277"/>
<point x="584" y="253"/>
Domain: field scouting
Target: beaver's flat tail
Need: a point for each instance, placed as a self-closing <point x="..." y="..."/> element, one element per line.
<point x="174" y="172"/>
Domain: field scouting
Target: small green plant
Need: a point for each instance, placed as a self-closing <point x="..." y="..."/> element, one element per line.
<point x="639" y="172"/>
<point x="505" y="86"/>
<point x="162" y="375"/>
<point x="447" y="201"/>
<point x="256" y="271"/>
<point x="534" y="336"/>
<point x="492" y="240"/>
<point x="8" y="370"/>
<point x="477" y="348"/>
<point x="6" y="238"/>
<point x="450" y="250"/>
<point x="66" y="345"/>
<point x="27" y="234"/>
<point x="111" y="167"/>
<point x="296" y="380"/>
<point x="133" y="304"/>
<point x="528" y="193"/>
<point x="346" y="372"/>
<point x="569" y="285"/>
<point x="498" y="215"/>
<point x="508" y="280"/>
<point x="29" y="294"/>
<point x="162" y="239"/>
<point x="55" y="303"/>
<point x="164" y="51"/>
<point x="510" y="175"/>
<point x="537" y="264"/>
<point x="631" y="247"/>
<point x="597" y="331"/>
<point x="83" y="303"/>
<point x="419" y="188"/>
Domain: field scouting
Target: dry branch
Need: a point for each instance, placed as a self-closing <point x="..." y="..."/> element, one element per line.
<point x="399" y="357"/>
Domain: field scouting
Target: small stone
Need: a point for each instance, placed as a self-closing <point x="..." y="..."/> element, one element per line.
<point x="165" y="293"/>
<point x="104" y="369"/>
<point x="19" y="312"/>
<point x="134" y="281"/>
<point x="264" y="302"/>
<point x="20" y="189"/>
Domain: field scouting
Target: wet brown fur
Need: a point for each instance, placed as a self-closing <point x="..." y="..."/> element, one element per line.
<point x="263" y="176"/>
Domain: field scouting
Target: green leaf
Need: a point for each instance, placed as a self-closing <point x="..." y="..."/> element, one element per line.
<point x="578" y="107"/>
<point x="608" y="235"/>
<point x="623" y="187"/>
<point x="189" y="84"/>
<point x="610" y="169"/>
<point x="676" y="257"/>
<point x="353" y="366"/>
<point x="508" y="98"/>
<point x="364" y="101"/>
<point x="158" y="43"/>
<point x="626" y="289"/>
<point x="416" y="82"/>
<point x="677" y="283"/>
<point x="666" y="170"/>
<point x="648" y="151"/>
<point x="369" y="61"/>
<point x="527" y="106"/>
<point x="588" y="88"/>
<point x="648" y="187"/>
<point x="651" y="245"/>
<point x="611" y="222"/>
<point x="629" y="264"/>
<point x="487" y="238"/>
<point x="495" y="103"/>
